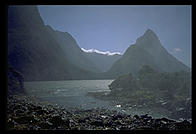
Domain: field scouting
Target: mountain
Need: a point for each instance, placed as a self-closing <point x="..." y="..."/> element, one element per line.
<point x="15" y="82"/>
<point x="102" y="61"/>
<point x="70" y="47"/>
<point x="146" y="51"/>
<point x="38" y="54"/>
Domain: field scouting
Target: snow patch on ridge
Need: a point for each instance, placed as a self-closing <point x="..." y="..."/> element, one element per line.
<point x="100" y="52"/>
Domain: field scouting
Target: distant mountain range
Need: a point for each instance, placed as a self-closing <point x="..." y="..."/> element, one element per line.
<point x="103" y="60"/>
<point x="39" y="52"/>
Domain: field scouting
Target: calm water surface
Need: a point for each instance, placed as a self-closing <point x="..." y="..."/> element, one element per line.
<point x="73" y="93"/>
<point x="70" y="93"/>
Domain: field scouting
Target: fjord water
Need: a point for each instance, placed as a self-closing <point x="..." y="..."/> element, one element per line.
<point x="73" y="94"/>
<point x="70" y="93"/>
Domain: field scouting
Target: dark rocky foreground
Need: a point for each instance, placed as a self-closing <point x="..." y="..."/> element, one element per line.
<point x="25" y="113"/>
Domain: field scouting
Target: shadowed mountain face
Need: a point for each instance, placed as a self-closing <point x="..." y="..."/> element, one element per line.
<point x="71" y="49"/>
<point x="146" y="51"/>
<point x="102" y="61"/>
<point x="36" y="53"/>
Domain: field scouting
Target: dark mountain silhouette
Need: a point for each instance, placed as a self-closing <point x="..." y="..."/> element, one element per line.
<point x="146" y="51"/>
<point x="36" y="53"/>
<point x="71" y="49"/>
<point x="102" y="61"/>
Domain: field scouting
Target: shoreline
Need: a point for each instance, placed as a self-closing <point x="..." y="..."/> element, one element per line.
<point x="159" y="106"/>
<point x="25" y="113"/>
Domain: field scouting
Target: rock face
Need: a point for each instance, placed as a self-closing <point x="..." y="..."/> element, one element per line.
<point x="15" y="81"/>
<point x="147" y="51"/>
<point x="38" y="52"/>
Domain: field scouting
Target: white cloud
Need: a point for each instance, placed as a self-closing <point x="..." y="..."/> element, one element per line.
<point x="100" y="52"/>
<point x="177" y="50"/>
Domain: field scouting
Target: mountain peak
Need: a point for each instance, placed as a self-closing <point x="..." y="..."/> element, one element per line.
<point x="149" y="38"/>
<point x="150" y="34"/>
<point x="149" y="31"/>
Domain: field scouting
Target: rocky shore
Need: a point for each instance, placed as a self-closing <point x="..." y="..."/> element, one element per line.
<point x="26" y="113"/>
<point x="177" y="110"/>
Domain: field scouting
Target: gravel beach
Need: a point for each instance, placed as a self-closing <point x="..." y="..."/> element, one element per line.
<point x="27" y="113"/>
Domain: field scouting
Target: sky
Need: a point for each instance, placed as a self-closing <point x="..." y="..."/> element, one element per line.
<point x="114" y="28"/>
